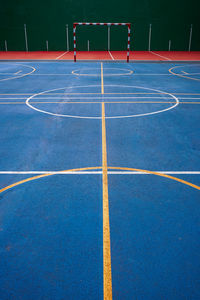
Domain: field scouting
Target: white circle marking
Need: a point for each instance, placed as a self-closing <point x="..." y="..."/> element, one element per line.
<point x="114" y="117"/>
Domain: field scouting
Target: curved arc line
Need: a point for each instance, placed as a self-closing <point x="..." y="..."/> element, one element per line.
<point x="54" y="114"/>
<point x="44" y="175"/>
<point x="180" y="75"/>
<point x="158" y="174"/>
<point x="120" y="74"/>
<point x="99" y="118"/>
<point x="33" y="70"/>
<point x="93" y="168"/>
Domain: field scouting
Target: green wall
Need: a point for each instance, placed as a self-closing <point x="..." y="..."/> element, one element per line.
<point x="46" y="20"/>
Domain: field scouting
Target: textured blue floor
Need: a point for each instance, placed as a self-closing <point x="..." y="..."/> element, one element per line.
<point x="51" y="228"/>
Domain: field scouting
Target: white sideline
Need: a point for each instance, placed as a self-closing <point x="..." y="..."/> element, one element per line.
<point x="61" y="55"/>
<point x="160" y="55"/>
<point x="111" y="55"/>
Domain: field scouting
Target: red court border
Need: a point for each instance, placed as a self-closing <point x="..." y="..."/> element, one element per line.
<point x="102" y="55"/>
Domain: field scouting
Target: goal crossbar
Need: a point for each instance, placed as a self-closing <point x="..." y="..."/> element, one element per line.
<point x="103" y="24"/>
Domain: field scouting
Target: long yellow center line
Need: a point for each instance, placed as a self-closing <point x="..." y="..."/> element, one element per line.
<point x="107" y="276"/>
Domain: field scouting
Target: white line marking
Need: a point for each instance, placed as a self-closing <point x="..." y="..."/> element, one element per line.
<point x="49" y="172"/>
<point x="174" y="93"/>
<point x="94" y="98"/>
<point x="185" y="72"/>
<point x="97" y="172"/>
<point x="61" y="55"/>
<point x="183" y="76"/>
<point x="111" y="55"/>
<point x="20" y="76"/>
<point x="54" y="74"/>
<point x="138" y="74"/>
<point x="77" y="72"/>
<point x="97" y="98"/>
<point x="7" y="73"/>
<point x="99" y="118"/>
<point x="192" y="73"/>
<point x="190" y="98"/>
<point x="135" y="74"/>
<point x="162" y="172"/>
<point x="149" y="74"/>
<point x="18" y="72"/>
<point x="160" y="55"/>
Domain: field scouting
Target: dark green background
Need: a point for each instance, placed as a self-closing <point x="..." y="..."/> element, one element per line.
<point x="46" y="20"/>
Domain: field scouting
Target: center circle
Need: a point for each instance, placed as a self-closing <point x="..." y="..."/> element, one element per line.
<point x="121" y="101"/>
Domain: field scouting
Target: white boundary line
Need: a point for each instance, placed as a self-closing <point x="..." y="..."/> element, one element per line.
<point x="160" y="55"/>
<point x="96" y="98"/>
<point x="48" y="172"/>
<point x="97" y="172"/>
<point x="161" y="172"/>
<point x="111" y="55"/>
<point x="135" y="74"/>
<point x="31" y="94"/>
<point x="99" y="118"/>
<point x="61" y="55"/>
<point x="54" y="74"/>
<point x="131" y="73"/>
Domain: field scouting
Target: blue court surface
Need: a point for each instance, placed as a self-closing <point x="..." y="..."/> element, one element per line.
<point x="99" y="180"/>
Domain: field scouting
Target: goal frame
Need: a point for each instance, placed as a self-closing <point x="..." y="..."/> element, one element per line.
<point x="102" y="24"/>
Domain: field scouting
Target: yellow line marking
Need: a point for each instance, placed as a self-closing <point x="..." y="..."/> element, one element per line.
<point x="94" y="168"/>
<point x="158" y="174"/>
<point x="180" y="75"/>
<point x="102" y="85"/>
<point x="44" y="175"/>
<point x="107" y="276"/>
